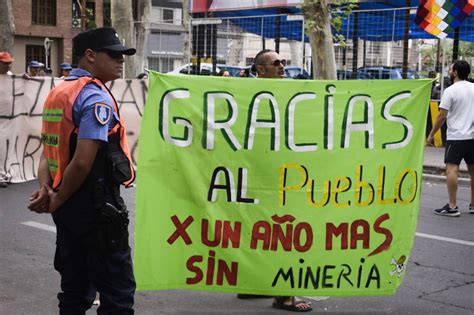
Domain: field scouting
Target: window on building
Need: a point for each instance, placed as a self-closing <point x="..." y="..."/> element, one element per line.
<point x="43" y="12"/>
<point x="166" y="42"/>
<point x="168" y="15"/>
<point x="90" y="9"/>
<point x="90" y="14"/>
<point x="107" y="13"/>
<point x="76" y="14"/>
<point x="35" y="52"/>
<point x="162" y="64"/>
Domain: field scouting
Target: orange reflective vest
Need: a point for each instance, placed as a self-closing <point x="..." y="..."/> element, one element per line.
<point x="58" y="127"/>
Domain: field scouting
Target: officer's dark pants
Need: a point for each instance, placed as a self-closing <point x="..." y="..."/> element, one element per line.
<point x="85" y="270"/>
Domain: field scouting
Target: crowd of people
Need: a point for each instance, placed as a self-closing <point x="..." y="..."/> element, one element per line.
<point x="34" y="68"/>
<point x="79" y="186"/>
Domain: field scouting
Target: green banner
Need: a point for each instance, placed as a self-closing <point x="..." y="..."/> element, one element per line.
<point x="278" y="187"/>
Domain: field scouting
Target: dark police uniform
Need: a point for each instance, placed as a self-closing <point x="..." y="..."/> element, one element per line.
<point x="92" y="252"/>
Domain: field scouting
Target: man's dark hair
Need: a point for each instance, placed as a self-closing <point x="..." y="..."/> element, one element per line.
<point x="142" y="75"/>
<point x="258" y="60"/>
<point x="463" y="69"/>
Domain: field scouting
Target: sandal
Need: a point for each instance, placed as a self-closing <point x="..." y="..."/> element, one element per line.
<point x="279" y="303"/>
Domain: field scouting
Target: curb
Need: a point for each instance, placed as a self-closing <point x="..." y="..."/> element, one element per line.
<point x="441" y="170"/>
<point x="464" y="182"/>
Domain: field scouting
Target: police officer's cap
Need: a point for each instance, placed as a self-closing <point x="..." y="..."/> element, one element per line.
<point x="65" y="66"/>
<point x="104" y="38"/>
<point x="34" y="64"/>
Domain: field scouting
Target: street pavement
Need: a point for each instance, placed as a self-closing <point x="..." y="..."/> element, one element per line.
<point x="439" y="278"/>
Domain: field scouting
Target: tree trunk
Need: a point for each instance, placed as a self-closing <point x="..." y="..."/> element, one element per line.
<point x="187" y="30"/>
<point x="7" y="26"/>
<point x="122" y="21"/>
<point x="318" y="24"/>
<point x="142" y="27"/>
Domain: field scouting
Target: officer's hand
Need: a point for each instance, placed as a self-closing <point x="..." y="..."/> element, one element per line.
<point x="54" y="202"/>
<point x="39" y="200"/>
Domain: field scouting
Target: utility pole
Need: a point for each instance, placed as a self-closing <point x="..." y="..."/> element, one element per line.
<point x="406" y="29"/>
<point x="456" y="44"/>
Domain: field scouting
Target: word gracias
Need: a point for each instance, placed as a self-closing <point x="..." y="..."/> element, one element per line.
<point x="355" y="103"/>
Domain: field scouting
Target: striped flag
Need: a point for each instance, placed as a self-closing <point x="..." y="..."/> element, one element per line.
<point x="441" y="17"/>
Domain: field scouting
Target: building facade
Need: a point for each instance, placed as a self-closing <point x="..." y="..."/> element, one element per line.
<point x="44" y="30"/>
<point x="165" y="49"/>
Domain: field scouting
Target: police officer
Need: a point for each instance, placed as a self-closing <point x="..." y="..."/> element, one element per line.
<point x="34" y="68"/>
<point x="65" y="70"/>
<point x="85" y="159"/>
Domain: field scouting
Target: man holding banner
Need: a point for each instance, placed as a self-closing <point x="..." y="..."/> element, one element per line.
<point x="269" y="65"/>
<point x="278" y="187"/>
<point x="457" y="107"/>
<point x="85" y="159"/>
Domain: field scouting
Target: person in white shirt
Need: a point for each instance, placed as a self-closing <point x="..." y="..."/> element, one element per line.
<point x="457" y="108"/>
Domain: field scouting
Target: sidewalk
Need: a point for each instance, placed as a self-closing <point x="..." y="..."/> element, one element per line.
<point x="435" y="169"/>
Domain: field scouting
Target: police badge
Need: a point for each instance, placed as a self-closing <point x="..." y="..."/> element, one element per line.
<point x="103" y="112"/>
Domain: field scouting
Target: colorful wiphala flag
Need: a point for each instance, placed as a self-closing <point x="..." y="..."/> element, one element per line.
<point x="441" y="17"/>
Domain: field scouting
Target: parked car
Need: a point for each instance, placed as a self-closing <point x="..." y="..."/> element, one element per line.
<point x="290" y="73"/>
<point x="233" y="70"/>
<point x="296" y="73"/>
<point x="393" y="73"/>
<point x="206" y="69"/>
<point x="347" y="75"/>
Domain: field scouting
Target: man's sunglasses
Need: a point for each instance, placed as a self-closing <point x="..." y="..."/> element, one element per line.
<point x="113" y="54"/>
<point x="278" y="62"/>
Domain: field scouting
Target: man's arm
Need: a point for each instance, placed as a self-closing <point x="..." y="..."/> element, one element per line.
<point x="39" y="199"/>
<point x="75" y="173"/>
<point x="44" y="177"/>
<point x="440" y="119"/>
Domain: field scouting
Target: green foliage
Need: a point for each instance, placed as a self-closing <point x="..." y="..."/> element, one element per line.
<point x="90" y="18"/>
<point x="466" y="51"/>
<point x="339" y="10"/>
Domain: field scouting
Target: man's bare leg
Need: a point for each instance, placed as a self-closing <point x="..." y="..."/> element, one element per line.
<point x="470" y="168"/>
<point x="452" y="171"/>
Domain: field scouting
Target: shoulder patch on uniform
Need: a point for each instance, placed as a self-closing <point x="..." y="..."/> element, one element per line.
<point x="103" y="112"/>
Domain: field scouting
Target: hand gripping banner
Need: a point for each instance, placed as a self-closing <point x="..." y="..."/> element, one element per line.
<point x="278" y="187"/>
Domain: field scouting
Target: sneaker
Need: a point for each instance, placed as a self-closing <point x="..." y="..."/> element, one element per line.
<point x="447" y="211"/>
<point x="471" y="208"/>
